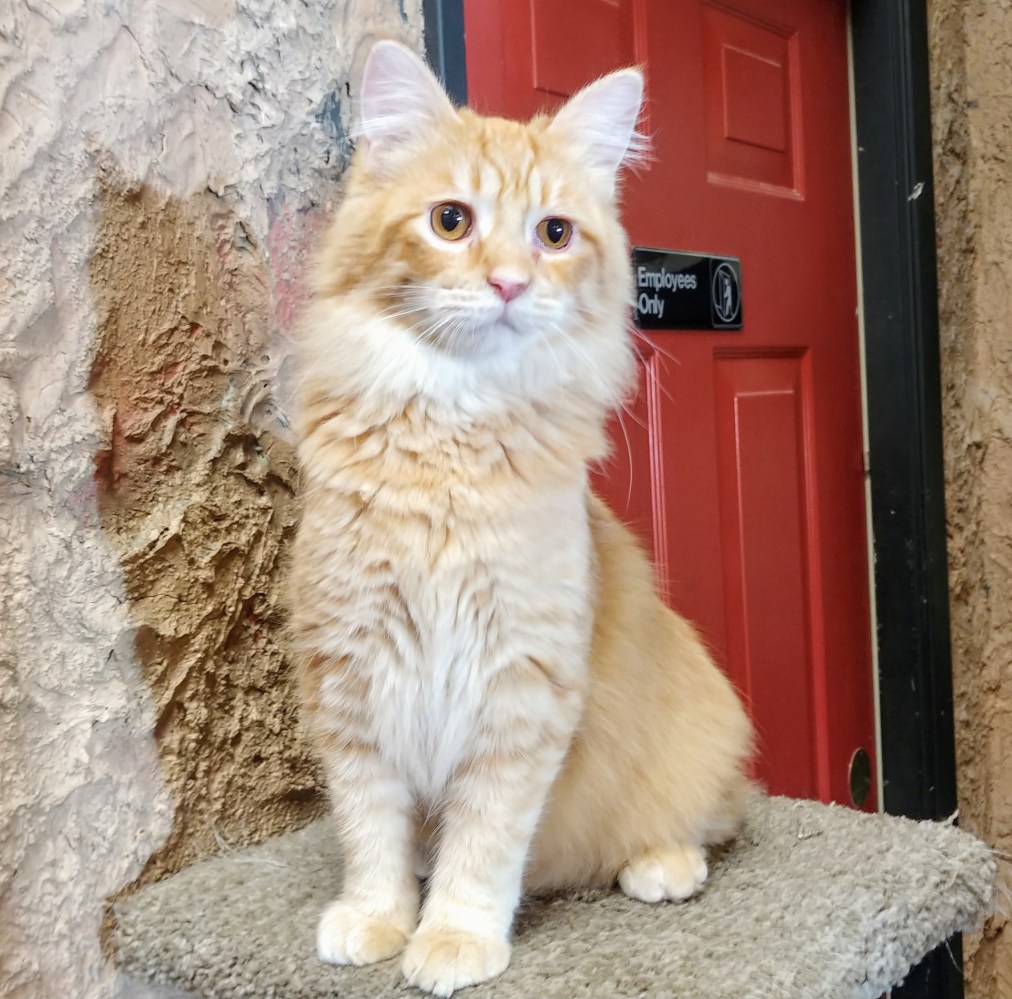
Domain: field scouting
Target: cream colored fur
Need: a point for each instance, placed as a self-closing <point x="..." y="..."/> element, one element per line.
<point x="498" y="696"/>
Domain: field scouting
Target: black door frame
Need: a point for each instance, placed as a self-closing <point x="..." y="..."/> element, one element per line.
<point x="892" y="100"/>
<point x="900" y="294"/>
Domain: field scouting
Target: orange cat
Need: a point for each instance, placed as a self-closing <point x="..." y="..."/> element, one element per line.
<point x="498" y="696"/>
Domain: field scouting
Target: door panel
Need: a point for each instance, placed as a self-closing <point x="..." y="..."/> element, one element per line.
<point x="752" y="100"/>
<point x="600" y="30"/>
<point x="739" y="465"/>
<point x="760" y="448"/>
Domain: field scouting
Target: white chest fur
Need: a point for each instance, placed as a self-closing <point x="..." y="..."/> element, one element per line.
<point x="436" y="636"/>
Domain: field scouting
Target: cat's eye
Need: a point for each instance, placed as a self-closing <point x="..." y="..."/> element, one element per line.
<point x="554" y="233"/>
<point x="450" y="220"/>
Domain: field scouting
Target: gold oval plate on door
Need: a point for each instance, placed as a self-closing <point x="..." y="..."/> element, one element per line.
<point x="860" y="777"/>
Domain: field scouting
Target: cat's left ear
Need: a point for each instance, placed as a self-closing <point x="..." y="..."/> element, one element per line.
<point x="602" y="117"/>
<point x="400" y="100"/>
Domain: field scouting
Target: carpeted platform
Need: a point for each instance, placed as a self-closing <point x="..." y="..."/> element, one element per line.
<point x="812" y="902"/>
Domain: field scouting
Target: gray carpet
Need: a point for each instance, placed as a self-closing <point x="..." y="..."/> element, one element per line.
<point x="812" y="901"/>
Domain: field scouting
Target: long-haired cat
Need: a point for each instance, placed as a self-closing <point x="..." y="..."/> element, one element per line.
<point x="499" y="698"/>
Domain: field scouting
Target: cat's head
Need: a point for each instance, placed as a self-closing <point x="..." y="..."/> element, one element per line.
<point x="492" y="244"/>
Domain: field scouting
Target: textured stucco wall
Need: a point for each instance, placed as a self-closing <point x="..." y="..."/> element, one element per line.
<point x="971" y="49"/>
<point x="163" y="167"/>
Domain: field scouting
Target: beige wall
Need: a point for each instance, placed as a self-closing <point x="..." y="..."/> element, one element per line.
<point x="971" y="49"/>
<point x="163" y="166"/>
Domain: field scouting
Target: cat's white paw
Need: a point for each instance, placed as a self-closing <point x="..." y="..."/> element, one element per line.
<point x="347" y="936"/>
<point x="674" y="873"/>
<point x="443" y="961"/>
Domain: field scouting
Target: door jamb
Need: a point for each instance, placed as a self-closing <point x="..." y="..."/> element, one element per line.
<point x="902" y="366"/>
<point x="443" y="23"/>
<point x="892" y="98"/>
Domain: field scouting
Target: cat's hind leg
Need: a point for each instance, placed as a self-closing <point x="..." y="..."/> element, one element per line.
<point x="672" y="873"/>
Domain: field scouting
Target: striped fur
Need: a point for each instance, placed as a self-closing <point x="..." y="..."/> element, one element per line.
<point x="495" y="690"/>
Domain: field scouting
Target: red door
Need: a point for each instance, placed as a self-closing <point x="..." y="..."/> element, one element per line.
<point x="740" y="462"/>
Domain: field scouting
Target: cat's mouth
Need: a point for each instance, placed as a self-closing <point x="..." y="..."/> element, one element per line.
<point x="467" y="334"/>
<point x="507" y="317"/>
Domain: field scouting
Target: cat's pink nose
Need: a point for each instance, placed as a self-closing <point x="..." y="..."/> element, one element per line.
<point x="507" y="288"/>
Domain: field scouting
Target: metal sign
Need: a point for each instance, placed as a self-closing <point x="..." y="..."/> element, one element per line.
<point x="686" y="291"/>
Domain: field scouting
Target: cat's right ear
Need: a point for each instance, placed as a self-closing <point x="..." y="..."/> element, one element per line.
<point x="400" y="100"/>
<point x="602" y="117"/>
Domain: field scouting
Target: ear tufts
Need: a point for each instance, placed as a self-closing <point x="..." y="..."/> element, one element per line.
<point x="603" y="118"/>
<point x="400" y="99"/>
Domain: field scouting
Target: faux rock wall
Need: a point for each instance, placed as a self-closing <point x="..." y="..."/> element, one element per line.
<point x="163" y="168"/>
<point x="971" y="49"/>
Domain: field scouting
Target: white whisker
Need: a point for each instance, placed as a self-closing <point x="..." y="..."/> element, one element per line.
<point x="652" y="344"/>
<point x="651" y="373"/>
<point x="620" y="406"/>
<point x="628" y="454"/>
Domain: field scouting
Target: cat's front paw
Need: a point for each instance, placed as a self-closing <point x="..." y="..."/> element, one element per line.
<point x="673" y="874"/>
<point x="347" y="936"/>
<point x="442" y="961"/>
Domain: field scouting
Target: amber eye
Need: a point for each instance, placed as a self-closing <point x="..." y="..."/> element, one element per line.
<point x="554" y="233"/>
<point x="450" y="220"/>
